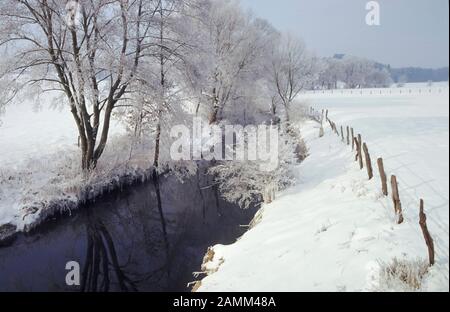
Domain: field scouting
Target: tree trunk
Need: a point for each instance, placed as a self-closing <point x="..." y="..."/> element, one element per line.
<point x="157" y="145"/>
<point x="213" y="118"/>
<point x="214" y="115"/>
<point x="162" y="85"/>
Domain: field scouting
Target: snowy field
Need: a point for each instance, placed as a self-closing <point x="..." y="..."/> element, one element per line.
<point x="27" y="131"/>
<point x="40" y="161"/>
<point x="335" y="231"/>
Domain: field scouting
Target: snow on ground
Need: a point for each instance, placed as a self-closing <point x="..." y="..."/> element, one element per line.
<point x="40" y="161"/>
<point x="27" y="131"/>
<point x="335" y="231"/>
<point x="411" y="133"/>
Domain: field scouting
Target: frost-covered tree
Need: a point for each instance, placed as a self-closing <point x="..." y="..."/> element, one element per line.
<point x="378" y="78"/>
<point x="169" y="54"/>
<point x="356" y="71"/>
<point x="246" y="182"/>
<point x="228" y="43"/>
<point x="332" y="73"/>
<point x="293" y="69"/>
<point x="164" y="85"/>
<point x="363" y="73"/>
<point x="161" y="84"/>
<point x="401" y="81"/>
<point x="89" y="50"/>
<point x="8" y="86"/>
<point x="150" y="62"/>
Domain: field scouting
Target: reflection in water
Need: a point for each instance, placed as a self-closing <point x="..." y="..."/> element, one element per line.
<point x="149" y="238"/>
<point x="161" y="215"/>
<point x="101" y="257"/>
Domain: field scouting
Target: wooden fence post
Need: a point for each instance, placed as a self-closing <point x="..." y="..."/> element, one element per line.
<point x="348" y="135"/>
<point x="358" y="143"/>
<point x="326" y="114"/>
<point x="426" y="234"/>
<point x="321" y="131"/>
<point x="342" y="133"/>
<point x="383" y="177"/>
<point x="396" y="200"/>
<point x="335" y="129"/>
<point x="368" y="162"/>
<point x="353" y="139"/>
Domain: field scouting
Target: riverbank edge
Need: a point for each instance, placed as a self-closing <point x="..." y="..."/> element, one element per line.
<point x="210" y="264"/>
<point x="43" y="211"/>
<point x="206" y="270"/>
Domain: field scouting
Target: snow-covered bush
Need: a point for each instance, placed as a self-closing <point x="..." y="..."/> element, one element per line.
<point x="145" y="131"/>
<point x="402" y="275"/>
<point x="247" y="182"/>
<point x="298" y="112"/>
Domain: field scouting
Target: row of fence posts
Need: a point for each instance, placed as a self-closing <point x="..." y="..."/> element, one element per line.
<point x="379" y="91"/>
<point x="362" y="155"/>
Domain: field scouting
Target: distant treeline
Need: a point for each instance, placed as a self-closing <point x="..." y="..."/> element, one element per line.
<point x="418" y="74"/>
<point x="348" y="71"/>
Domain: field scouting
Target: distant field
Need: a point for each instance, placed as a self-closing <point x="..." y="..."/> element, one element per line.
<point x="418" y="88"/>
<point x="411" y="132"/>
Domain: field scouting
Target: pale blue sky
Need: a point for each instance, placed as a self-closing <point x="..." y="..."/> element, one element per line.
<point x="412" y="32"/>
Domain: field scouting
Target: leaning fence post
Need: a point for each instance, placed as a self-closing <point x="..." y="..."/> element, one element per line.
<point x="368" y="161"/>
<point x="331" y="123"/>
<point x="396" y="200"/>
<point x="353" y="139"/>
<point x="335" y="129"/>
<point x="342" y="133"/>
<point x="426" y="234"/>
<point x="383" y="177"/>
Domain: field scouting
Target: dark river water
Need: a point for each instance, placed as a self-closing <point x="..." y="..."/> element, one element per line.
<point x="126" y="241"/>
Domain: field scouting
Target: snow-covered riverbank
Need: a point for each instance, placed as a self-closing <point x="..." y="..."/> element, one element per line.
<point x="335" y="231"/>
<point x="40" y="166"/>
